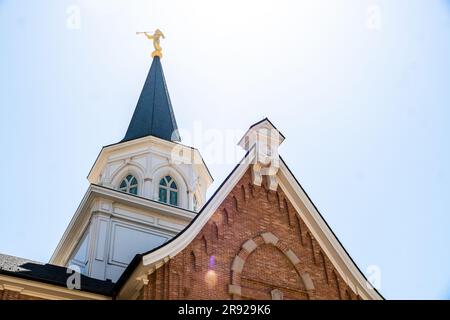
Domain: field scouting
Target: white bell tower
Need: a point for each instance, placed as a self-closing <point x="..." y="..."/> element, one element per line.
<point x="143" y="190"/>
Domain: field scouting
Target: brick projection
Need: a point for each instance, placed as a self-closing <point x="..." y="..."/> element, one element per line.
<point x="255" y="246"/>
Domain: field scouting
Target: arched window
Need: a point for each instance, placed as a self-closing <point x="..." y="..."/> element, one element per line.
<point x="168" y="191"/>
<point x="129" y="185"/>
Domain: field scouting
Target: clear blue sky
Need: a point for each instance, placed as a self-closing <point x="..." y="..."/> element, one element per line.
<point x="359" y="88"/>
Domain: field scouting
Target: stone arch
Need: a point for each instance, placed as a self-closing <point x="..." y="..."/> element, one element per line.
<point x="249" y="246"/>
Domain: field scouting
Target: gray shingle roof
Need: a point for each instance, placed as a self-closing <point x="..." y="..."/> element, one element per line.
<point x="51" y="274"/>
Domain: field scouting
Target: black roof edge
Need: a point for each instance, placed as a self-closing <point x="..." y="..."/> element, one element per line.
<point x="55" y="283"/>
<point x="321" y="216"/>
<point x="137" y="258"/>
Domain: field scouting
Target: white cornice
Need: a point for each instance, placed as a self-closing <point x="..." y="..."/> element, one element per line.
<point x="82" y="216"/>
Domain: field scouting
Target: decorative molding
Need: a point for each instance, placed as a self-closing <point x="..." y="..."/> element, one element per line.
<point x="266" y="139"/>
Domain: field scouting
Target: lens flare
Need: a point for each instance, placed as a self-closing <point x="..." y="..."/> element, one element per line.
<point x="211" y="279"/>
<point x="212" y="262"/>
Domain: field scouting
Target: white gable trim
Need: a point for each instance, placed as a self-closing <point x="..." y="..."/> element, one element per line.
<point x="320" y="230"/>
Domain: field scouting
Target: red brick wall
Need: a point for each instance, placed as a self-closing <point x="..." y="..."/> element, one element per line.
<point x="203" y="270"/>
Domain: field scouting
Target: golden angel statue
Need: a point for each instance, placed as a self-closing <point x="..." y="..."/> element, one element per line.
<point x="156" y="36"/>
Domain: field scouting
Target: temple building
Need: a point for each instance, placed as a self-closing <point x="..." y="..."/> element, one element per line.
<point x="145" y="228"/>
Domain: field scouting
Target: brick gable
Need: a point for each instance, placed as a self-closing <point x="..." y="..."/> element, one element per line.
<point x="255" y="246"/>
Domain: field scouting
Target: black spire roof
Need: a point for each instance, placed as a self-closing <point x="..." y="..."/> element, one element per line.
<point x="153" y="115"/>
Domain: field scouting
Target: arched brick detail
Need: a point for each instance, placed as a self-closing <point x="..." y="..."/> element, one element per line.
<point x="235" y="204"/>
<point x="253" y="190"/>
<point x="244" y="193"/>
<point x="226" y="217"/>
<point x="237" y="265"/>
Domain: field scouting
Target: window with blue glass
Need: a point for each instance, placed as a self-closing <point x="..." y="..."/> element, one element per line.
<point x="168" y="191"/>
<point x="129" y="185"/>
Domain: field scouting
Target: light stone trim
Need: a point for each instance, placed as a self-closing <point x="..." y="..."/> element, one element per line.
<point x="276" y="294"/>
<point x="238" y="264"/>
<point x="269" y="237"/>
<point x="235" y="289"/>
<point x="256" y="175"/>
<point x="266" y="139"/>
<point x="249" y="245"/>
<point x="307" y="281"/>
<point x="292" y="257"/>
<point x="272" y="182"/>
